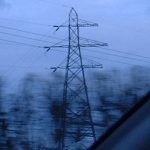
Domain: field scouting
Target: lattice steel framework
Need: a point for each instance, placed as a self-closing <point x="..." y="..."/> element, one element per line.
<point x="77" y="127"/>
<point x="77" y="123"/>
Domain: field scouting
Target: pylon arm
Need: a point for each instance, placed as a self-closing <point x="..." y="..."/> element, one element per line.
<point x="84" y="66"/>
<point x="91" y="43"/>
<point x="81" y="23"/>
<point x="83" y="43"/>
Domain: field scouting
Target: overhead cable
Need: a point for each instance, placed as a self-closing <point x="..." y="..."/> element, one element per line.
<point x="118" y="56"/>
<point x="25" y="37"/>
<point x="23" y="21"/>
<point x="124" y="52"/>
<point x="28" y="32"/>
<point x="114" y="61"/>
<point x="21" y="43"/>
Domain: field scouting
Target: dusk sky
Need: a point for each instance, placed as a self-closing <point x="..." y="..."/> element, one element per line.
<point x="123" y="24"/>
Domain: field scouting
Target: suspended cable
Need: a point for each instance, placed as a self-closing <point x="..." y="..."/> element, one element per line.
<point x="86" y="57"/>
<point x="102" y="58"/>
<point x="57" y="50"/>
<point x="23" y="58"/>
<point x="33" y="38"/>
<point x="26" y="37"/>
<point x="27" y="45"/>
<point x="118" y="56"/>
<point x="21" y="67"/>
<point x="108" y="54"/>
<point x="124" y="52"/>
<point x="21" y="43"/>
<point x="57" y="3"/>
<point x="27" y="68"/>
<point x="59" y="66"/>
<point x="29" y="32"/>
<point x="23" y="21"/>
<point x="113" y="61"/>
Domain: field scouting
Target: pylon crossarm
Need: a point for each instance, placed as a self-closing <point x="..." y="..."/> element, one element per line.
<point x="84" y="66"/>
<point x="75" y="67"/>
<point x="83" y="43"/>
<point x="91" y="43"/>
<point x="93" y="66"/>
<point x="55" y="46"/>
<point x="81" y="23"/>
<point x="58" y="44"/>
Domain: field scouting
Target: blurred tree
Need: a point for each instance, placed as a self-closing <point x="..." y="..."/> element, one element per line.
<point x="31" y="117"/>
<point x="53" y="94"/>
<point x="115" y="92"/>
<point x="3" y="119"/>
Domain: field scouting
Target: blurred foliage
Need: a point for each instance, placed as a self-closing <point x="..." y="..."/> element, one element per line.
<point x="31" y="117"/>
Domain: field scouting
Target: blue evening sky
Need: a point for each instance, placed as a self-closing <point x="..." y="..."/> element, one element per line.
<point x="123" y="24"/>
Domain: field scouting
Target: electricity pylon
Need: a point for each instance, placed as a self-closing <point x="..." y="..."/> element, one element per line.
<point x="77" y="127"/>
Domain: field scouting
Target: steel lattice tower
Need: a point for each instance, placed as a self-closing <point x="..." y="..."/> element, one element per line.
<point x="75" y="97"/>
<point x="76" y="124"/>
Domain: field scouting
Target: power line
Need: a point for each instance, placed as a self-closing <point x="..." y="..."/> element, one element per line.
<point x="29" y="32"/>
<point x="25" y="37"/>
<point x="27" y="68"/>
<point x="24" y="43"/>
<point x="21" y="67"/>
<point x="23" y="21"/>
<point x="14" y="66"/>
<point x="118" y="56"/>
<point x="58" y="51"/>
<point x="83" y="49"/>
<point x="99" y="58"/>
<point x="22" y="58"/>
<point x="21" y="43"/>
<point x="32" y="38"/>
<point x="125" y="52"/>
<point x="85" y="57"/>
<point x="57" y="3"/>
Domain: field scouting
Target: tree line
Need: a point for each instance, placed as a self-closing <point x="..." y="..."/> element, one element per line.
<point x="30" y="117"/>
